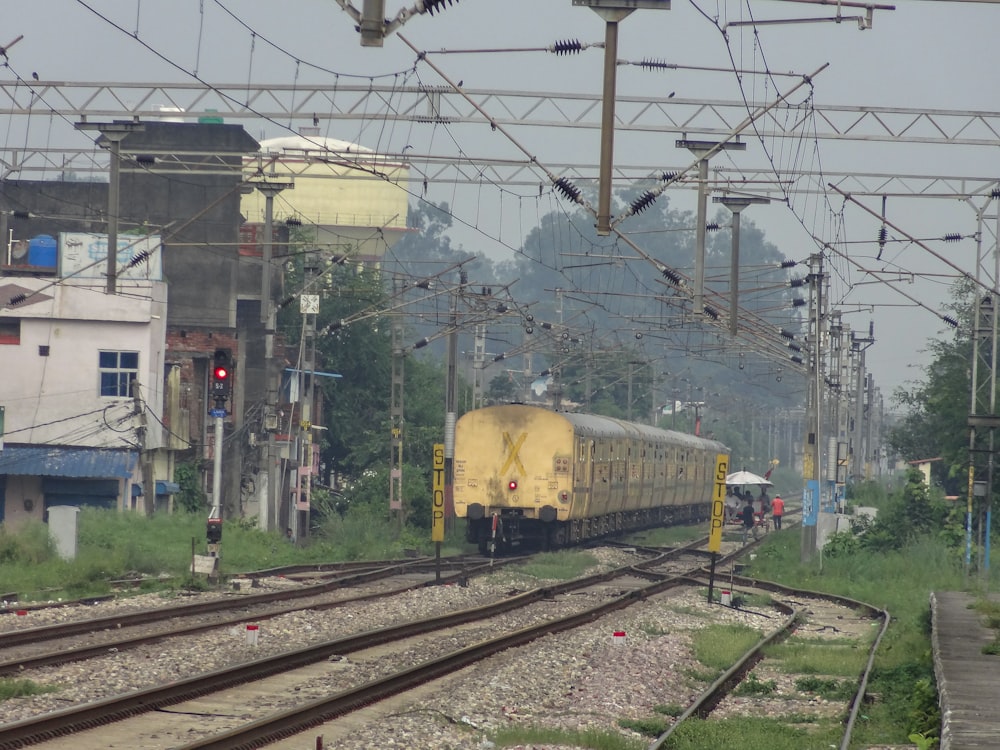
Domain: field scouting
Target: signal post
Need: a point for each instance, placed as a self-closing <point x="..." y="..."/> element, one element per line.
<point x="221" y="390"/>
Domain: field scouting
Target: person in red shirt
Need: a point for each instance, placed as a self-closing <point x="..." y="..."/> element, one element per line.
<point x="777" y="511"/>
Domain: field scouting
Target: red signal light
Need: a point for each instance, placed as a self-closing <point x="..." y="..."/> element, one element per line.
<point x="222" y="371"/>
<point x="512" y="485"/>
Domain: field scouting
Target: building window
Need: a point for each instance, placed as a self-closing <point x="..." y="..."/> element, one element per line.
<point x="10" y="330"/>
<point x="117" y="371"/>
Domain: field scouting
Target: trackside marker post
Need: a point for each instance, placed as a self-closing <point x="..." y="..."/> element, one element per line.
<point x="437" y="507"/>
<point x="717" y="517"/>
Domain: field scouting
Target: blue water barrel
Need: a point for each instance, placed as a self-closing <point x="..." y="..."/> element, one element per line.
<point x="43" y="251"/>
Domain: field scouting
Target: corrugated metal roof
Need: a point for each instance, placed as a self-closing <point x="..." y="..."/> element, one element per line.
<point x="61" y="461"/>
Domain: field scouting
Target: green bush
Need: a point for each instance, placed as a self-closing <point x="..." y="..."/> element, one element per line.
<point x="17" y="688"/>
<point x="30" y="544"/>
<point x="649" y="727"/>
<point x="752" y="685"/>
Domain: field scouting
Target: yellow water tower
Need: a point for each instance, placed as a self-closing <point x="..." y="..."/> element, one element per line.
<point x="355" y="198"/>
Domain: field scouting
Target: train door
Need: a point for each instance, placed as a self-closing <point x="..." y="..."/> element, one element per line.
<point x="583" y="483"/>
<point x="618" y="475"/>
<point x="601" y="488"/>
<point x="635" y="481"/>
<point x="683" y="476"/>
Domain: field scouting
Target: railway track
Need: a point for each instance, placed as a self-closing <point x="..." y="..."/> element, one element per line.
<point x="825" y="613"/>
<point x="630" y="583"/>
<point x="617" y="590"/>
<point x="49" y="645"/>
<point x="827" y="618"/>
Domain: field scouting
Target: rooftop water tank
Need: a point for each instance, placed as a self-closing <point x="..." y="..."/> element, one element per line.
<point x="43" y="251"/>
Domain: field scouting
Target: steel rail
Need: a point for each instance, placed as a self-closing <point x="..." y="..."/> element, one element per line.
<point x="293" y="721"/>
<point x="79" y="718"/>
<point x="48" y="632"/>
<point x="725" y="684"/>
<point x="18" y="666"/>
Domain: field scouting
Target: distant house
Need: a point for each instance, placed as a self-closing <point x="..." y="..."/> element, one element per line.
<point x="103" y="391"/>
<point x="923" y="465"/>
<point x="82" y="391"/>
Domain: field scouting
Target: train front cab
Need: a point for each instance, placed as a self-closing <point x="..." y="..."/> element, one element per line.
<point x="513" y="476"/>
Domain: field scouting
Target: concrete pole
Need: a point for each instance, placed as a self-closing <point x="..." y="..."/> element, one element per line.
<point x="114" y="133"/>
<point x="988" y="525"/>
<point x="607" y="127"/>
<point x="451" y="406"/>
<point x="269" y="515"/>
<point x="114" y="208"/>
<point x="396" y="386"/>
<point x="857" y="469"/>
<point x="701" y="149"/>
<point x="736" y="205"/>
<point x="613" y="12"/>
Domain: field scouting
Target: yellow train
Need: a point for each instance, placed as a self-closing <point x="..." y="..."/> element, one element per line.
<point x="525" y="474"/>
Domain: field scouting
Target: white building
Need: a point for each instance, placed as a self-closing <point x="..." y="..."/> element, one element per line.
<point x="76" y="430"/>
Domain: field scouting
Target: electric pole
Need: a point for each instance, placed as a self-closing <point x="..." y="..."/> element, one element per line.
<point x="269" y="514"/>
<point x="309" y="307"/>
<point x="396" y="413"/>
<point x="812" y="453"/>
<point x="114" y="133"/>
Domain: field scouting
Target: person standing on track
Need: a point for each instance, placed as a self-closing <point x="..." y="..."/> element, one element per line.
<point x="749" y="519"/>
<point x="777" y="511"/>
<point x="732" y="505"/>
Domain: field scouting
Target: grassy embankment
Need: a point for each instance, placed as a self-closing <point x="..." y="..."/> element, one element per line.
<point x="112" y="546"/>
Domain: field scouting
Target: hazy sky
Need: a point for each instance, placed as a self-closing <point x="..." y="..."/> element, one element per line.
<point x="926" y="55"/>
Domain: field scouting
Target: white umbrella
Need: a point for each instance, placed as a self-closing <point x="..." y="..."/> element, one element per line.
<point x="739" y="478"/>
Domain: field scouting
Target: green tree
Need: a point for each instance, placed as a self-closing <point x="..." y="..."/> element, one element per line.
<point x="502" y="389"/>
<point x="935" y="424"/>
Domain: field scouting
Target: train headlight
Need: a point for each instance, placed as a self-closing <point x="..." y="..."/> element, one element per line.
<point x="512" y="485"/>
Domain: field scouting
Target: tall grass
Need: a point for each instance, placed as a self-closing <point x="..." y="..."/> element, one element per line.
<point x="591" y="739"/>
<point x="719" y="646"/>
<point x="752" y="733"/>
<point x="670" y="536"/>
<point x="558" y="565"/>
<point x="816" y="657"/>
<point x="113" y="545"/>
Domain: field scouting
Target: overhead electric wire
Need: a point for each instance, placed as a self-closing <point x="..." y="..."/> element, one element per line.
<point x="531" y="159"/>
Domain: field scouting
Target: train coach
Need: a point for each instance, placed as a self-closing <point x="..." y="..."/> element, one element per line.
<point x="526" y="475"/>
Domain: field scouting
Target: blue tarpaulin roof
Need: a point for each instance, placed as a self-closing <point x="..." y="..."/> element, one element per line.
<point x="61" y="461"/>
<point x="162" y="488"/>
